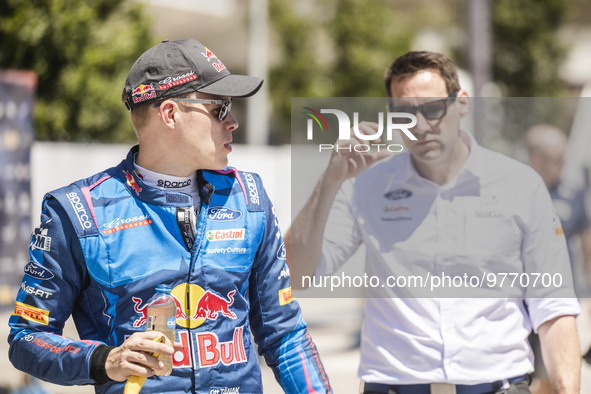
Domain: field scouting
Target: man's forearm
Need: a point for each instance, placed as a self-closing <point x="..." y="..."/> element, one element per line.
<point x="561" y="353"/>
<point x="586" y="250"/>
<point x="303" y="240"/>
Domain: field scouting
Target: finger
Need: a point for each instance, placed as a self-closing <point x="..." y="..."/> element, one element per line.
<point x="146" y="334"/>
<point x="372" y="127"/>
<point x="382" y="154"/>
<point x="132" y="369"/>
<point x="147" y="343"/>
<point x="149" y="346"/>
<point x="178" y="346"/>
<point x="144" y="359"/>
<point x="368" y="128"/>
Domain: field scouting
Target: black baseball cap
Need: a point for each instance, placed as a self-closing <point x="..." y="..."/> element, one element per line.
<point x="172" y="68"/>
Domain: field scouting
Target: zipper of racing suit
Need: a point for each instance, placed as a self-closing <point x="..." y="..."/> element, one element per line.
<point x="188" y="226"/>
<point x="186" y="219"/>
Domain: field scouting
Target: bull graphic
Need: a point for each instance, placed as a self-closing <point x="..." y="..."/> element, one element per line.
<point x="210" y="305"/>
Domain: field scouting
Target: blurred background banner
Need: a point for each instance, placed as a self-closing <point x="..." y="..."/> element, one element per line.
<point x="17" y="90"/>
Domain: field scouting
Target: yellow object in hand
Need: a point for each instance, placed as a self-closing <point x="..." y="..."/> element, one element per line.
<point x="134" y="383"/>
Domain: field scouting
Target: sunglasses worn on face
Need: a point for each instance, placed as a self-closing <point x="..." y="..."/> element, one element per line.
<point x="226" y="105"/>
<point x="433" y="110"/>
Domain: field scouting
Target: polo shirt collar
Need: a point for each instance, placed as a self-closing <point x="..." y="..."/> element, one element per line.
<point x="475" y="163"/>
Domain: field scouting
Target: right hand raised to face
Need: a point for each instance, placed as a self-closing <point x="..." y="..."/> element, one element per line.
<point x="133" y="357"/>
<point x="346" y="162"/>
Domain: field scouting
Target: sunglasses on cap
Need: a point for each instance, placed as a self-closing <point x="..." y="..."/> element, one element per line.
<point x="433" y="110"/>
<point x="226" y="105"/>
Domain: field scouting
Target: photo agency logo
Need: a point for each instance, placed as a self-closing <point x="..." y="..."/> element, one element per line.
<point x="402" y="121"/>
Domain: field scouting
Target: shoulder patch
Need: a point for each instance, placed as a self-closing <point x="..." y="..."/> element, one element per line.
<point x="252" y="189"/>
<point x="78" y="206"/>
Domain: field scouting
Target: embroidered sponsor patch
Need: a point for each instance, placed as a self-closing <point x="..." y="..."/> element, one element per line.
<point x="398" y="194"/>
<point x="36" y="271"/>
<point x="126" y="226"/>
<point x="223" y="214"/>
<point x="225" y="235"/>
<point x="285" y="296"/>
<point x="31" y="313"/>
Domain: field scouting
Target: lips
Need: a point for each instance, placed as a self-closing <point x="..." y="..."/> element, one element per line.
<point x="228" y="146"/>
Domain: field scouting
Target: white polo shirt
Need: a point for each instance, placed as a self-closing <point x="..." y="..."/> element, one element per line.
<point x="495" y="217"/>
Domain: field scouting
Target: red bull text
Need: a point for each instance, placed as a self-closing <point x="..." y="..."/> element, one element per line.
<point x="210" y="351"/>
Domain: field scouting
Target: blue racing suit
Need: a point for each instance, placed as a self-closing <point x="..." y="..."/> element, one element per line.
<point x="107" y="241"/>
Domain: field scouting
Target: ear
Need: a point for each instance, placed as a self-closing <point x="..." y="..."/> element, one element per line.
<point x="167" y="113"/>
<point x="464" y="102"/>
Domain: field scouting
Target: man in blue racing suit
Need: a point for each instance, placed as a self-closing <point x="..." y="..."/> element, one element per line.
<point x="171" y="213"/>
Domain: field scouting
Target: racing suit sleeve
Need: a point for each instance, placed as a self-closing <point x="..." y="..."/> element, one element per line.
<point x="276" y="320"/>
<point x="50" y="292"/>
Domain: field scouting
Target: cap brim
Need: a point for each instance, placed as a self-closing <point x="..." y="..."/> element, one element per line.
<point x="233" y="85"/>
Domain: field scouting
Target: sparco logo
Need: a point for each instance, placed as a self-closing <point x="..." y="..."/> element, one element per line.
<point x="81" y="213"/>
<point x="223" y="214"/>
<point x="253" y="192"/>
<point x="174" y="185"/>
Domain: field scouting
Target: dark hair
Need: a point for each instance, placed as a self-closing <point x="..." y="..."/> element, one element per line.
<point x="411" y="63"/>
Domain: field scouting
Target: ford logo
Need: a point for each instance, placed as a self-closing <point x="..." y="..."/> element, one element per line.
<point x="223" y="214"/>
<point x="36" y="271"/>
<point x="282" y="253"/>
<point x="398" y="194"/>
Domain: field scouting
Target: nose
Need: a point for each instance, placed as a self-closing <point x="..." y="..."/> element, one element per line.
<point x="422" y="126"/>
<point x="230" y="123"/>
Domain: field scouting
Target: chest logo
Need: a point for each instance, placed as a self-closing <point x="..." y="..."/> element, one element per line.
<point x="223" y="214"/>
<point x="398" y="194"/>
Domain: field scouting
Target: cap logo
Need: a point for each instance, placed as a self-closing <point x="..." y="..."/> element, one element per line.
<point x="169" y="82"/>
<point x="209" y="55"/>
<point x="140" y="90"/>
<point x="143" y="92"/>
<point x="219" y="66"/>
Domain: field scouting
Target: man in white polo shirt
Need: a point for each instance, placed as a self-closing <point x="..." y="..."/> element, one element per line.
<point x="447" y="207"/>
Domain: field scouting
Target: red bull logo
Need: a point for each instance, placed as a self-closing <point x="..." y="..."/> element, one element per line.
<point x="210" y="350"/>
<point x="209" y="55"/>
<point x="180" y="313"/>
<point x="142" y="89"/>
<point x="143" y="311"/>
<point x="143" y="93"/>
<point x="132" y="183"/>
<point x="219" y="66"/>
<point x="193" y="306"/>
<point x="182" y="358"/>
<point x="210" y="305"/>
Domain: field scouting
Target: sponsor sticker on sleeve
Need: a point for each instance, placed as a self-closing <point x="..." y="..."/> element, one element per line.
<point x="31" y="313"/>
<point x="285" y="296"/>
